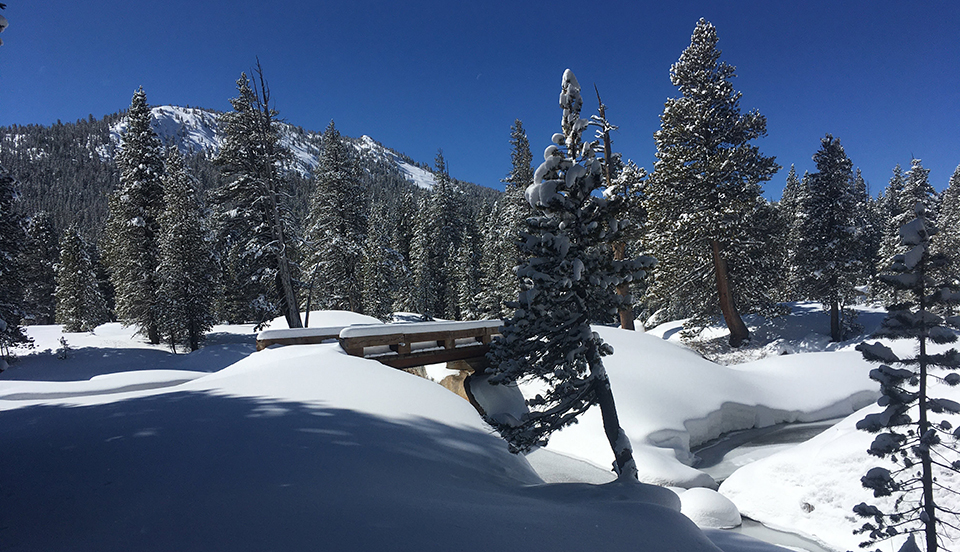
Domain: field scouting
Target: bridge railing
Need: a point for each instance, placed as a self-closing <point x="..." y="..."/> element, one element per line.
<point x="398" y="345"/>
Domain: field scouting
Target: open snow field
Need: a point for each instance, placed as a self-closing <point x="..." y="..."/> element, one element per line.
<point x="125" y="446"/>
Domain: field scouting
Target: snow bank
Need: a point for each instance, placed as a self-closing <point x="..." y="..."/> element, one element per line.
<point x="709" y="509"/>
<point x="670" y="398"/>
<point x="302" y="448"/>
<point x="811" y="489"/>
<point x="325" y="318"/>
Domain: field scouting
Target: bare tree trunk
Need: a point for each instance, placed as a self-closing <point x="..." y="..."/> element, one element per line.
<point x="835" y="321"/>
<point x="624" y="465"/>
<point x="738" y="330"/>
<point x="625" y="310"/>
<point x="291" y="305"/>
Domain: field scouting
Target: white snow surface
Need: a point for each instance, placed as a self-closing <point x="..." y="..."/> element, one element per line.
<point x="292" y="448"/>
<point x="421" y="177"/>
<point x="420" y="327"/>
<point x="708" y="508"/>
<point x="669" y="399"/>
<point x="811" y="489"/>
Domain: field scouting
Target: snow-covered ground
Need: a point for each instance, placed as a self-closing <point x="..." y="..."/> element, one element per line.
<point x="304" y="446"/>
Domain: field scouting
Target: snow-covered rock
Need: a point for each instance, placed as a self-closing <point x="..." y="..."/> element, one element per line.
<point x="709" y="509"/>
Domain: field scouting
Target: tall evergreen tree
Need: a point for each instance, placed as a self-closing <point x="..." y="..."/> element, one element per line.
<point x="892" y="210"/>
<point x="438" y="236"/>
<point x="256" y="229"/>
<point x="38" y="260"/>
<point x="912" y="429"/>
<point x="827" y="250"/>
<point x="549" y="337"/>
<point x="133" y="230"/>
<point x="381" y="266"/>
<point x="80" y="305"/>
<point x="336" y="228"/>
<point x="11" y="284"/>
<point x="502" y="252"/>
<point x="705" y="186"/>
<point x="186" y="268"/>
<point x="949" y="223"/>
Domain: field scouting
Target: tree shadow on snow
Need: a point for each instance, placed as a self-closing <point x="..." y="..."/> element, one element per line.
<point x="199" y="471"/>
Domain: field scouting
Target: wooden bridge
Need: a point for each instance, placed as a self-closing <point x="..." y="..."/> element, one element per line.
<point x="399" y="345"/>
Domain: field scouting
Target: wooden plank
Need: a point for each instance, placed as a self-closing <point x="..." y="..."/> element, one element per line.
<point x="307" y="340"/>
<point x="433" y="357"/>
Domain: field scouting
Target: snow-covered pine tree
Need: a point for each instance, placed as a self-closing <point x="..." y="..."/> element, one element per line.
<point x="827" y="252"/>
<point x="12" y="240"/>
<point x="132" y="230"/>
<point x="705" y="186"/>
<point x="549" y="337"/>
<point x="336" y="228"/>
<point x="869" y="230"/>
<point x="892" y="211"/>
<point x="80" y="305"/>
<point x="468" y="261"/>
<point x="256" y="231"/>
<point x="501" y="250"/>
<point x="38" y="260"/>
<point x="913" y="429"/>
<point x="186" y="270"/>
<point x="380" y="266"/>
<point x="949" y="223"/>
<point x="437" y="238"/>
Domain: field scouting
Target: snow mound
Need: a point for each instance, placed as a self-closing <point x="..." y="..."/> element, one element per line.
<point x="709" y="509"/>
<point x="325" y="319"/>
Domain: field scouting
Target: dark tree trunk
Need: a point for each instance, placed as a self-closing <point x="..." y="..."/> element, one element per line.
<point x="622" y="451"/>
<point x="738" y="330"/>
<point x="835" y="333"/>
<point x="623" y="290"/>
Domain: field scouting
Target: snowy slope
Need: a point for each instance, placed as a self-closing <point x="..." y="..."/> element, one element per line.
<point x="299" y="448"/>
<point x="195" y="129"/>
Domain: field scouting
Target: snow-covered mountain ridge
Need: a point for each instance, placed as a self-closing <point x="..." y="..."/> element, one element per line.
<point x="196" y="130"/>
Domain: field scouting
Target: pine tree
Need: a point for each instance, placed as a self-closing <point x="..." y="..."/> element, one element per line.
<point x="789" y="208"/>
<point x="186" y="261"/>
<point x="80" y="305"/>
<point x="892" y="210"/>
<point x="949" y="223"/>
<point x="132" y="229"/>
<point x="906" y="392"/>
<point x="255" y="226"/>
<point x="380" y="268"/>
<point x="567" y="258"/>
<point x="336" y="228"/>
<point x="437" y="238"/>
<point x="38" y="260"/>
<point x="827" y="251"/>
<point x="11" y="284"/>
<point x="468" y="260"/>
<point x="501" y="252"/>
<point x="704" y="189"/>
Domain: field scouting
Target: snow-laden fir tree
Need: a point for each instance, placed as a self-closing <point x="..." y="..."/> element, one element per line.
<point x="437" y="238"/>
<point x="255" y="227"/>
<point x="827" y="254"/>
<point x="469" y="271"/>
<point x="132" y="230"/>
<point x="630" y="186"/>
<point x="336" y="229"/>
<point x="869" y="230"/>
<point x="913" y="429"/>
<point x="949" y="223"/>
<point x="12" y="240"/>
<point x="567" y="258"/>
<point x="704" y="189"/>
<point x="80" y="305"/>
<point x="501" y="236"/>
<point x="381" y="267"/>
<point x="186" y="271"/>
<point x="38" y="260"/>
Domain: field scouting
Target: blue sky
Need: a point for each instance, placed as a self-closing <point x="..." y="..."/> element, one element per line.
<point x="883" y="76"/>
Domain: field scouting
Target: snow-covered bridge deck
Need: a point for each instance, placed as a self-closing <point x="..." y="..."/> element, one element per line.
<point x="398" y="345"/>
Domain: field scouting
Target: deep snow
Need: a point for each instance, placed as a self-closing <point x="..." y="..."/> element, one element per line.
<point x="290" y="447"/>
